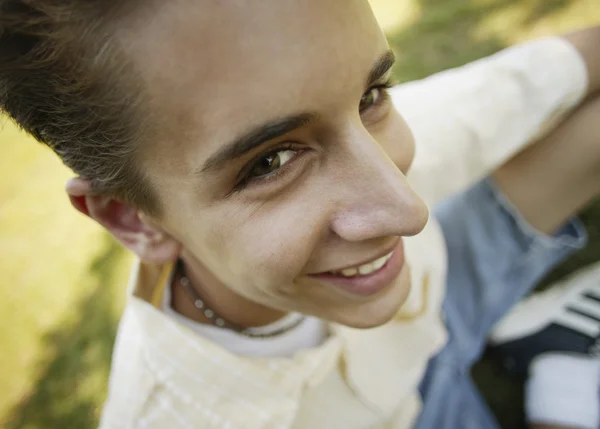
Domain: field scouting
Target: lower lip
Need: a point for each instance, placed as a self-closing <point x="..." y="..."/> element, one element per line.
<point x="370" y="284"/>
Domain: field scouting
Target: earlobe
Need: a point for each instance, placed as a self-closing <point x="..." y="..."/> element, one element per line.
<point x="156" y="249"/>
<point x="125" y="223"/>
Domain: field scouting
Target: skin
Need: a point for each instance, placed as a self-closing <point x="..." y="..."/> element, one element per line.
<point x="555" y="178"/>
<point x="342" y="199"/>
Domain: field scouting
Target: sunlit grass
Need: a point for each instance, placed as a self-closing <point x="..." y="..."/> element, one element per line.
<point x="46" y="249"/>
<point x="395" y="15"/>
<point x="530" y="19"/>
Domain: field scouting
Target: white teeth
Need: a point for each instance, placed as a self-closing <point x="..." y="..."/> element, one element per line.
<point x="349" y="272"/>
<point x="377" y="264"/>
<point x="367" y="268"/>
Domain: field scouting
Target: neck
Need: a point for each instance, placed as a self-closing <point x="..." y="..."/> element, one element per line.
<point x="222" y="300"/>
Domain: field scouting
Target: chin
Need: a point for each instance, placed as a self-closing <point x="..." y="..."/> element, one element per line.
<point x="380" y="311"/>
<point x="370" y="322"/>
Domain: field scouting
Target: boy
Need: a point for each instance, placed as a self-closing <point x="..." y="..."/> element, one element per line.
<point x="250" y="156"/>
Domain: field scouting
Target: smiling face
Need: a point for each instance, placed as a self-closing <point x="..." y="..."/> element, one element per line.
<point x="279" y="159"/>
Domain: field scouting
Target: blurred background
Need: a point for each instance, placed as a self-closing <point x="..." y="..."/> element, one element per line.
<point x="63" y="278"/>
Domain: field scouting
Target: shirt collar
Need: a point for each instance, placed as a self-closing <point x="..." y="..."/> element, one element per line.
<point x="382" y="365"/>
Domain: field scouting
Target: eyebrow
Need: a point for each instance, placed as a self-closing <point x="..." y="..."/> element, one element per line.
<point x="281" y="126"/>
<point x="381" y="67"/>
<point x="256" y="137"/>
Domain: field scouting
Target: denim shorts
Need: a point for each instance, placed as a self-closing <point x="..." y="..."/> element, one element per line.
<point x="494" y="259"/>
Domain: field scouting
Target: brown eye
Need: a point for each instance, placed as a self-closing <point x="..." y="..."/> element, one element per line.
<point x="370" y="98"/>
<point x="272" y="162"/>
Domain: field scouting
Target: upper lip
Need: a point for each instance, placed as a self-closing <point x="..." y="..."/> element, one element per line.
<point x="365" y="261"/>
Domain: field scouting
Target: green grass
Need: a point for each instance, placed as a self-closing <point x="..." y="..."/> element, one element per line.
<point x="61" y="292"/>
<point x="63" y="278"/>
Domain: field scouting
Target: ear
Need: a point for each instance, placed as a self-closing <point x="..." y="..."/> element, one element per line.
<point x="125" y="222"/>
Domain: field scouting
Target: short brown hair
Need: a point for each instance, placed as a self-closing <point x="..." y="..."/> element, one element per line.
<point x="65" y="80"/>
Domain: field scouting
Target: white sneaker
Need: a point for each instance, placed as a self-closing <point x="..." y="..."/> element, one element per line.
<point x="564" y="318"/>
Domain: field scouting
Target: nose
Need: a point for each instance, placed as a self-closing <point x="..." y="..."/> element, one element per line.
<point x="373" y="198"/>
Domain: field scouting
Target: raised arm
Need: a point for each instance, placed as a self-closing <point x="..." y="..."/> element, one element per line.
<point x="587" y="43"/>
<point x="470" y="120"/>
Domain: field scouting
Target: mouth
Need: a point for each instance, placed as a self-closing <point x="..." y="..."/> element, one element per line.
<point x="369" y="278"/>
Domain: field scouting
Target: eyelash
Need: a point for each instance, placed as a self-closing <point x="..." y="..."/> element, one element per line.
<point x="384" y="94"/>
<point x="248" y="180"/>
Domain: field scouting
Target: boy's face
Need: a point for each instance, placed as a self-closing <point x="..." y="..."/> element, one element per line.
<point x="314" y="181"/>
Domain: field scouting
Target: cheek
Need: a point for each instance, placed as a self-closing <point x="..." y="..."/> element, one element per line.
<point x="397" y="140"/>
<point x="267" y="244"/>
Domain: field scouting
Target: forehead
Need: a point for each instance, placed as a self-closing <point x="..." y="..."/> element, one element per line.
<point x="208" y="63"/>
